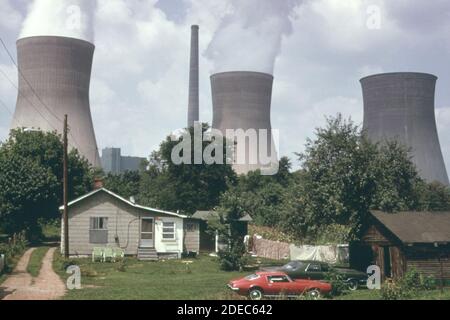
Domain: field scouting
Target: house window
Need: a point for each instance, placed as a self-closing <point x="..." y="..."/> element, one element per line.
<point x="168" y="231"/>
<point x="191" y="227"/>
<point x="98" y="232"/>
<point x="98" y="223"/>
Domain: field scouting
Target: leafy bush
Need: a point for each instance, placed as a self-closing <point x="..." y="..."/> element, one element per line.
<point x="233" y="258"/>
<point x="66" y="263"/>
<point x="333" y="233"/>
<point x="15" y="247"/>
<point x="121" y="266"/>
<point x="270" y="233"/>
<point x="417" y="281"/>
<point x="339" y="286"/>
<point x="407" y="287"/>
<point x="393" y="290"/>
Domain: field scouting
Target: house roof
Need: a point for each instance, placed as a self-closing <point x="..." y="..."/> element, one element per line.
<point x="417" y="227"/>
<point x="210" y="215"/>
<point x="90" y="194"/>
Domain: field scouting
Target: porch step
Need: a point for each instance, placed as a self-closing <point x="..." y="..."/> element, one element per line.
<point x="147" y="254"/>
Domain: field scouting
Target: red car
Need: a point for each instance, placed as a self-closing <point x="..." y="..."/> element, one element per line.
<point x="270" y="284"/>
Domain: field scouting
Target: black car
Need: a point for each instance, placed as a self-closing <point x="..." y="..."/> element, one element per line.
<point x="316" y="270"/>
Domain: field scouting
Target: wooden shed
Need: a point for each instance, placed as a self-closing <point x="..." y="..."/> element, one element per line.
<point x="405" y="240"/>
<point x="210" y="243"/>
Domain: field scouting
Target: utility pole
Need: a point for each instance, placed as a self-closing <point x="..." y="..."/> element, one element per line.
<point x="65" y="192"/>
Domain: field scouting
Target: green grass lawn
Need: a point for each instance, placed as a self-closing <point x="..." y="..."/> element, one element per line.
<point x="163" y="280"/>
<point x="34" y="266"/>
<point x="172" y="280"/>
<point x="365" y="294"/>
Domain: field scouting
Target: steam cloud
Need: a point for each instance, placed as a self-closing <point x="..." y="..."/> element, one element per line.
<point x="65" y="18"/>
<point x="249" y="37"/>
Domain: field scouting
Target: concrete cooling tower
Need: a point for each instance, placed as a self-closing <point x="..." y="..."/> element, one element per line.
<point x="54" y="80"/>
<point x="242" y="100"/>
<point x="400" y="106"/>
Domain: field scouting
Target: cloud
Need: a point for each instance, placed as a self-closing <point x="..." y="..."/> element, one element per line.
<point x="66" y="18"/>
<point x="139" y="88"/>
<point x="10" y="18"/>
<point x="249" y="36"/>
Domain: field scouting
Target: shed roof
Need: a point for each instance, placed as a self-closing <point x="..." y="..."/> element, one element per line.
<point x="210" y="215"/>
<point x="90" y="194"/>
<point x="417" y="227"/>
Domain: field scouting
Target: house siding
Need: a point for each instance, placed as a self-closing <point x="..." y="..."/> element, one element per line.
<point x="192" y="237"/>
<point x="124" y="221"/>
<point x="430" y="261"/>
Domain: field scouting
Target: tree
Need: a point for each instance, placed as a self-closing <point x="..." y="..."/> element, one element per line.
<point x="186" y="187"/>
<point x="27" y="192"/>
<point x="345" y="176"/>
<point x="31" y="179"/>
<point x="233" y="257"/>
<point x="126" y="184"/>
<point x="434" y="197"/>
<point x="396" y="179"/>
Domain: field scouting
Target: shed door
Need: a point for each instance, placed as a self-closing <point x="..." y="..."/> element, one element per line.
<point x="147" y="233"/>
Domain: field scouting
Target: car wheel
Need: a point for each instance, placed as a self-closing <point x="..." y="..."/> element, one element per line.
<point x="256" y="294"/>
<point x="314" y="294"/>
<point x="353" y="285"/>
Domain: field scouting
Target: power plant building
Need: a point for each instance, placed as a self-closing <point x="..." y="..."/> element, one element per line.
<point x="54" y="80"/>
<point x="113" y="161"/>
<point x="242" y="101"/>
<point x="400" y="106"/>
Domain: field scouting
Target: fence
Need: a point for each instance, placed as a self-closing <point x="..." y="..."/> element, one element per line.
<point x="334" y="254"/>
<point x="2" y="263"/>
<point x="270" y="249"/>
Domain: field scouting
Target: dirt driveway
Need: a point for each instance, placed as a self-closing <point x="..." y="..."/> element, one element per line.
<point x="20" y="285"/>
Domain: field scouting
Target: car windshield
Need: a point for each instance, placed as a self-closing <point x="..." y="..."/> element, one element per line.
<point x="252" y="277"/>
<point x="292" y="265"/>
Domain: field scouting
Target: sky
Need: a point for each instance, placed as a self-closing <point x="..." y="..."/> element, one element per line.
<point x="317" y="51"/>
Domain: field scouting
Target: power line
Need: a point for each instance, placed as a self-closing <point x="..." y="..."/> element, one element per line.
<point x="34" y="107"/>
<point x="28" y="83"/>
<point x="6" y="107"/>
<point x="26" y="97"/>
<point x="37" y="96"/>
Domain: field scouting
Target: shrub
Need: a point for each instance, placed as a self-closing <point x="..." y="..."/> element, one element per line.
<point x="417" y="281"/>
<point x="393" y="290"/>
<point x="234" y="258"/>
<point x="66" y="263"/>
<point x="121" y="266"/>
<point x="15" y="247"/>
<point x="339" y="286"/>
<point x="407" y="287"/>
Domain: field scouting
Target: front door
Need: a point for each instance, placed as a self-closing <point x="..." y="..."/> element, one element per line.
<point x="147" y="234"/>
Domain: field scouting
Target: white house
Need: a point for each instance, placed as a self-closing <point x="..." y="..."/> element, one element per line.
<point x="102" y="218"/>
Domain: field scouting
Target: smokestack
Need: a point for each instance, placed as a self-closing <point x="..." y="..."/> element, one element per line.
<point x="400" y="106"/>
<point x="242" y="100"/>
<point x="56" y="78"/>
<point x="193" y="107"/>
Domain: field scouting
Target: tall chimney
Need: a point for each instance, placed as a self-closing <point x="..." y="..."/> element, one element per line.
<point x="54" y="80"/>
<point x="400" y="106"/>
<point x="193" y="106"/>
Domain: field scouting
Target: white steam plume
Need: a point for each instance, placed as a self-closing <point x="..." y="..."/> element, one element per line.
<point x="65" y="18"/>
<point x="250" y="35"/>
